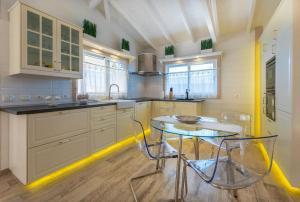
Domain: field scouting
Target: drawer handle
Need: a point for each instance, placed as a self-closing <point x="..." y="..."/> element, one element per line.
<point x="64" y="141"/>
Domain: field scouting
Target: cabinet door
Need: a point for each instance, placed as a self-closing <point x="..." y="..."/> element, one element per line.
<point x="48" y="127"/>
<point x="103" y="137"/>
<point x="47" y="158"/>
<point x="69" y="48"/>
<point x="185" y="108"/>
<point x="124" y="124"/>
<point x="284" y="69"/>
<point x="142" y="113"/>
<point x="38" y="40"/>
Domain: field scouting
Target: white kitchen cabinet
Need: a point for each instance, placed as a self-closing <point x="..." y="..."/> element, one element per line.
<point x="103" y="137"/>
<point x="48" y="127"/>
<point x="41" y="44"/>
<point x="69" y="48"/>
<point x="143" y="113"/>
<point x="125" y="125"/>
<point x="186" y="108"/>
<point x="103" y="127"/>
<point x="162" y="108"/>
<point x="45" y="142"/>
<point x="45" y="159"/>
<point x="284" y="69"/>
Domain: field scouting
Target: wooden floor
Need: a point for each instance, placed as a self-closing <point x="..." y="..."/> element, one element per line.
<point x="107" y="180"/>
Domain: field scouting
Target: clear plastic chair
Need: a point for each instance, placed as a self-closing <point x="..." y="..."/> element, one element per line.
<point x="154" y="147"/>
<point x="241" y="119"/>
<point x="237" y="168"/>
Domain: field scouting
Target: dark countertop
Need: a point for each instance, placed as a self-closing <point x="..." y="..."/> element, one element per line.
<point x="145" y="99"/>
<point x="34" y="109"/>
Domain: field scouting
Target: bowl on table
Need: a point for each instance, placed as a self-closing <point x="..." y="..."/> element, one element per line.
<point x="188" y="119"/>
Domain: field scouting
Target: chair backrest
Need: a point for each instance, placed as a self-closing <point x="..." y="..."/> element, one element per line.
<point x="144" y="142"/>
<point x="246" y="161"/>
<point x="243" y="119"/>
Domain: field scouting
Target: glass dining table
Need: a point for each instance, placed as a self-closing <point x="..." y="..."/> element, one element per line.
<point x="206" y="129"/>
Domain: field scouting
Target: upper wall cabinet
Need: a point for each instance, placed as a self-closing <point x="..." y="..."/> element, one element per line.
<point x="43" y="45"/>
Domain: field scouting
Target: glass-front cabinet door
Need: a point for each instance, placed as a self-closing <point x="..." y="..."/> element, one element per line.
<point x="39" y="45"/>
<point x="69" y="45"/>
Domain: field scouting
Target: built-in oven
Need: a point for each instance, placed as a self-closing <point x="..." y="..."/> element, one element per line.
<point x="270" y="106"/>
<point x="270" y="74"/>
<point x="270" y="89"/>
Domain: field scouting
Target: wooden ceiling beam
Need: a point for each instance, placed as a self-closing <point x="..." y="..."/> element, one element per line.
<point x="215" y="16"/>
<point x="107" y="10"/>
<point x="131" y="21"/>
<point x="209" y="19"/>
<point x="184" y="19"/>
<point x="94" y="3"/>
<point x="156" y="17"/>
<point x="251" y="14"/>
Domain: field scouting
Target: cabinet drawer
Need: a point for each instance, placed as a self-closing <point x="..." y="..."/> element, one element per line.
<point x="45" y="159"/>
<point x="124" y="126"/>
<point x="49" y="127"/>
<point x="103" y="111"/>
<point x="102" y="122"/>
<point x="104" y="137"/>
<point x="127" y="110"/>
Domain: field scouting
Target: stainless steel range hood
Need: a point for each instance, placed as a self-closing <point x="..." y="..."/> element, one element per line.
<point x="147" y="65"/>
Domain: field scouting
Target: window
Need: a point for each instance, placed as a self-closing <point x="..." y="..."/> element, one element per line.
<point x="99" y="73"/>
<point x="200" y="78"/>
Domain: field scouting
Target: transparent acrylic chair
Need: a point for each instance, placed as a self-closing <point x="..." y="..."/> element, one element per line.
<point x="154" y="147"/>
<point x="241" y="119"/>
<point x="237" y="168"/>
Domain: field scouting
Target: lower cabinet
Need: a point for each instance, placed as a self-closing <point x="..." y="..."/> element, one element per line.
<point x="103" y="137"/>
<point x="125" y="127"/>
<point x="143" y="113"/>
<point x="167" y="108"/>
<point x="45" y="159"/>
<point x="37" y="149"/>
<point x="103" y="127"/>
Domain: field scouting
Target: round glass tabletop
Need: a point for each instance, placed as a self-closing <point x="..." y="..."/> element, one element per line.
<point x="205" y="128"/>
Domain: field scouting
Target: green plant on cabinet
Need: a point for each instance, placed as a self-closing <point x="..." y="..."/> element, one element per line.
<point x="125" y="45"/>
<point x="89" y="28"/>
<point x="169" y="50"/>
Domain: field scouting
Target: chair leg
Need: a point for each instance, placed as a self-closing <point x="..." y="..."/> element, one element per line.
<point x="157" y="171"/>
<point x="184" y="184"/>
<point x="196" y="148"/>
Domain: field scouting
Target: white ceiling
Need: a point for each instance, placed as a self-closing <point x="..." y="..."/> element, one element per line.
<point x="156" y="23"/>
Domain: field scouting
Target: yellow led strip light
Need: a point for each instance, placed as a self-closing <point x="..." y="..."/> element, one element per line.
<point x="84" y="162"/>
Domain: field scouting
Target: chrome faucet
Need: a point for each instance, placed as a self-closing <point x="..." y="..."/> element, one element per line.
<point x="109" y="93"/>
<point x="187" y="94"/>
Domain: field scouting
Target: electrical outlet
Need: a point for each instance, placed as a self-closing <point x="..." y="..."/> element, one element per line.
<point x="8" y="98"/>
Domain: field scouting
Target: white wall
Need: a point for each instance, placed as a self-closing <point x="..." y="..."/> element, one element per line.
<point x="74" y="11"/>
<point x="237" y="74"/>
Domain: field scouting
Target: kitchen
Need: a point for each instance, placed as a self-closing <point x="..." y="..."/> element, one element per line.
<point x="77" y="78"/>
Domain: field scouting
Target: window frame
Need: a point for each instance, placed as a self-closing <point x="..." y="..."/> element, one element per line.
<point x="108" y="59"/>
<point x="215" y="60"/>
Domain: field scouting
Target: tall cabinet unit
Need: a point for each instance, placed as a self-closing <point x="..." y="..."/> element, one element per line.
<point x="277" y="40"/>
<point x="43" y="45"/>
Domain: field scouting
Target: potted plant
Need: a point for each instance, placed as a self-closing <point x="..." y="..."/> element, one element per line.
<point x="89" y="28"/>
<point x="169" y="51"/>
<point x="207" y="46"/>
<point x="125" y="46"/>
